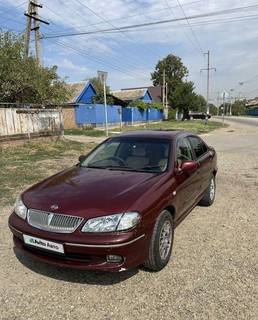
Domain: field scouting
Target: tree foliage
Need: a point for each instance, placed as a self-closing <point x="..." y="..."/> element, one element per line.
<point x="181" y="93"/>
<point x="22" y="80"/>
<point x="175" y="72"/>
<point x="144" y="106"/>
<point x="98" y="86"/>
<point x="139" y="104"/>
<point x="238" y="107"/>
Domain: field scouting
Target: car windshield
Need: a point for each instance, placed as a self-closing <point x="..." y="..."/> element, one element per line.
<point x="131" y="154"/>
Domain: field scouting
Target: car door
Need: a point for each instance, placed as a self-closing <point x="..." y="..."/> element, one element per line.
<point x="204" y="158"/>
<point x="187" y="183"/>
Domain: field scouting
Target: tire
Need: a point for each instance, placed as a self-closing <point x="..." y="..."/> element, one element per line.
<point x="209" y="195"/>
<point x="159" y="254"/>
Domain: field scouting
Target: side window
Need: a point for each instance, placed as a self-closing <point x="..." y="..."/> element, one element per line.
<point x="184" y="151"/>
<point x="198" y="146"/>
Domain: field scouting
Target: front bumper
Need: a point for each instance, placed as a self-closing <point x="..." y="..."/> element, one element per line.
<point x="84" y="251"/>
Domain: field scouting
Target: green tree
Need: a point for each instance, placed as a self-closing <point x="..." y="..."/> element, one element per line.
<point x="213" y="109"/>
<point x="22" y="80"/>
<point x="98" y="86"/>
<point x="175" y="72"/>
<point x="198" y="103"/>
<point x="184" y="98"/>
<point x="238" y="107"/>
<point x="139" y="104"/>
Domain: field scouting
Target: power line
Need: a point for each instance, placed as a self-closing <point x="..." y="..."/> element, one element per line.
<point x="118" y="52"/>
<point x="179" y="24"/>
<point x="7" y="12"/>
<point x="135" y="26"/>
<point x="89" y="57"/>
<point x="149" y="49"/>
<point x="123" y="17"/>
<point x="192" y="30"/>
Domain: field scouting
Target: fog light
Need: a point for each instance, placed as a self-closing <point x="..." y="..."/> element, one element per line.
<point x="114" y="258"/>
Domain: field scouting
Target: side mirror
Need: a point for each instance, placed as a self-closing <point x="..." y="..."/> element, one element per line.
<point x="188" y="167"/>
<point x="81" y="158"/>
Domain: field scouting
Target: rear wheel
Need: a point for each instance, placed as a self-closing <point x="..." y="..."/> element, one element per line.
<point x="209" y="195"/>
<point x="161" y="242"/>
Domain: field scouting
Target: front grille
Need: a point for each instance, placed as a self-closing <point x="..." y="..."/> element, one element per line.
<point x="53" y="222"/>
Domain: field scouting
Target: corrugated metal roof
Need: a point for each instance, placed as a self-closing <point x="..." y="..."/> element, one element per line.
<point x="154" y="91"/>
<point x="76" y="89"/>
<point x="129" y="95"/>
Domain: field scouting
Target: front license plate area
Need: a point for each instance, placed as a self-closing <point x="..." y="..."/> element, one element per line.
<point x="43" y="244"/>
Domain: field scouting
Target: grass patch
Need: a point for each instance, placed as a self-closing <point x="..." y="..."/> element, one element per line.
<point x="192" y="126"/>
<point x="24" y="165"/>
<point x="85" y="132"/>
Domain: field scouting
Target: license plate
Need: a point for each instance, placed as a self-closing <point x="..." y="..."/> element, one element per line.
<point x="43" y="244"/>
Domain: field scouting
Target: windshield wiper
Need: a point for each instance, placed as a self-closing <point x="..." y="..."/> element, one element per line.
<point x="94" y="167"/>
<point x="120" y="168"/>
<point x="150" y="167"/>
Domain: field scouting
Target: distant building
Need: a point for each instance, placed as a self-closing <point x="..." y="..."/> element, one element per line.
<point x="252" y="107"/>
<point x="81" y="93"/>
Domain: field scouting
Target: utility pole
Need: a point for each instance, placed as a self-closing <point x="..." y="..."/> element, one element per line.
<point x="230" y="96"/>
<point x="103" y="78"/>
<point x="166" y="102"/>
<point x="224" y="95"/>
<point x="33" y="17"/>
<point x="164" y="95"/>
<point x="218" y="103"/>
<point x="208" y="69"/>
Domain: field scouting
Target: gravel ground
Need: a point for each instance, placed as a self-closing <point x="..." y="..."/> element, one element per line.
<point x="212" y="275"/>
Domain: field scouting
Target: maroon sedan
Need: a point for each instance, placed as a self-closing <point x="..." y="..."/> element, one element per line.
<point x="118" y="207"/>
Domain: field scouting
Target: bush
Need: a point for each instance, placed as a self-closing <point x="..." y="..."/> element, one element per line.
<point x="172" y="114"/>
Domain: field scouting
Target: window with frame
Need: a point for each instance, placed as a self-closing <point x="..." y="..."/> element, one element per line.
<point x="198" y="145"/>
<point x="184" y="151"/>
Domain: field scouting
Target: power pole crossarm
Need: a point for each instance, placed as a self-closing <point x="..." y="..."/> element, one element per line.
<point x="33" y="16"/>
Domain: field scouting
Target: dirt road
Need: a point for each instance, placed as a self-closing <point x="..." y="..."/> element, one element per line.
<point x="213" y="273"/>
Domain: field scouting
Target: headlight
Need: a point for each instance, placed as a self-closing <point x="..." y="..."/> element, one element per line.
<point x="115" y="222"/>
<point x="20" y="209"/>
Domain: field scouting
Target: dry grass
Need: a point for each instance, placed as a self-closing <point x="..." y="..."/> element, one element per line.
<point x="24" y="165"/>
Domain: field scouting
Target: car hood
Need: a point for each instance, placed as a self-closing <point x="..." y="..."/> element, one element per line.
<point x="88" y="192"/>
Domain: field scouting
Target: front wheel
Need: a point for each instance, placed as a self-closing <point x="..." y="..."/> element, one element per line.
<point x="161" y="242"/>
<point x="209" y="195"/>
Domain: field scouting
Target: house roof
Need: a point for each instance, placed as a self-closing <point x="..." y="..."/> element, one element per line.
<point x="129" y="94"/>
<point x="154" y="91"/>
<point x="76" y="89"/>
<point x="252" y="102"/>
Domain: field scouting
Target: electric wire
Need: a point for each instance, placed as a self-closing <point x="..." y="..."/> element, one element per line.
<point x="160" y="22"/>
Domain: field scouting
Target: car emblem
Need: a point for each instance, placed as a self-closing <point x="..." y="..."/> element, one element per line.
<point x="49" y="218"/>
<point x="54" y="207"/>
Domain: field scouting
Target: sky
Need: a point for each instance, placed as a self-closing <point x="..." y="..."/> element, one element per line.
<point x="130" y="57"/>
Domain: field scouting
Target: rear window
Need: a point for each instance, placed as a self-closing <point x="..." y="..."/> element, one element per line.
<point x="198" y="145"/>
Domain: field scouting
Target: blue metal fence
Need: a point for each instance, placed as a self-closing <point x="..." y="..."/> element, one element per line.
<point x="95" y="114"/>
<point x="252" y="111"/>
<point x="130" y="115"/>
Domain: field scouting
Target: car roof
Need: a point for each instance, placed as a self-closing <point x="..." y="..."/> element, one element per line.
<point x="154" y="134"/>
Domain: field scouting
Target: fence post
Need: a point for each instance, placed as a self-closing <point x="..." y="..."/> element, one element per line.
<point x="132" y="114"/>
<point x="61" y="120"/>
<point x="28" y="122"/>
